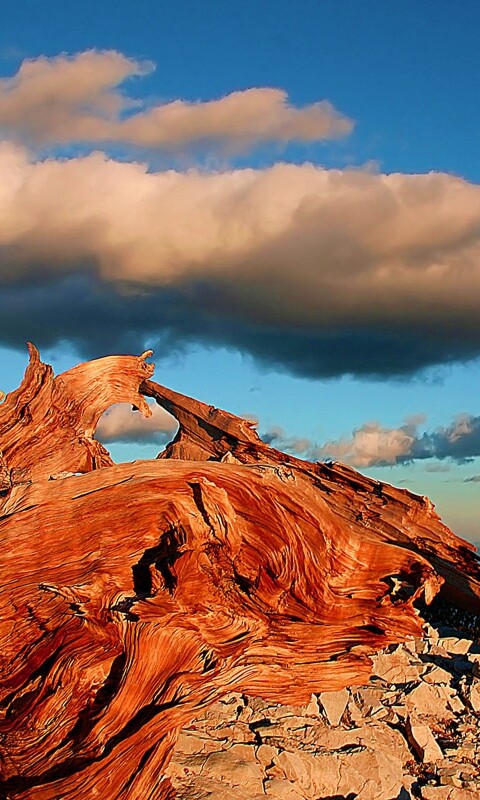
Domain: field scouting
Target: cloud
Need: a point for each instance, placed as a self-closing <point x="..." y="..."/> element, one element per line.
<point x="320" y="272"/>
<point x="437" y="467"/>
<point x="459" y="441"/>
<point x="120" y="424"/>
<point x="373" y="445"/>
<point x="370" y="445"/>
<point x="276" y="436"/>
<point x="73" y="99"/>
<point x="473" y="479"/>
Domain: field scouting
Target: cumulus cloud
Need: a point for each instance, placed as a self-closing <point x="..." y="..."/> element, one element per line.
<point x="371" y="444"/>
<point x="121" y="424"/>
<point x="374" y="445"/>
<point x="473" y="479"/>
<point x="72" y="99"/>
<point x="321" y="272"/>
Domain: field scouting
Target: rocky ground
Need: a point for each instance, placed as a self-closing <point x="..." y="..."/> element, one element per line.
<point x="412" y="732"/>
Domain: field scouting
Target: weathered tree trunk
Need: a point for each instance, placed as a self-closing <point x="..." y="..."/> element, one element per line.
<point x="134" y="595"/>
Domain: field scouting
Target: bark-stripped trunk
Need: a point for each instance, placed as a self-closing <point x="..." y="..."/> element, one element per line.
<point x="134" y="595"/>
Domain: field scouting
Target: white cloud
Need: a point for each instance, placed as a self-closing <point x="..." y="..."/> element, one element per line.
<point x="374" y="445"/>
<point x="297" y="255"/>
<point x="77" y="99"/>
<point x="371" y="444"/>
<point x="120" y="424"/>
<point x="291" y="241"/>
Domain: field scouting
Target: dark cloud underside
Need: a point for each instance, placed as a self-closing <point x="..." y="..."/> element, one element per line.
<point x="98" y="319"/>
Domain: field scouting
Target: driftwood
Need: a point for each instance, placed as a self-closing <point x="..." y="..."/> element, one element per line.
<point x="135" y="595"/>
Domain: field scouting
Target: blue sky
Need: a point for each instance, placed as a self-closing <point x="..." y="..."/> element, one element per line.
<point x="406" y="75"/>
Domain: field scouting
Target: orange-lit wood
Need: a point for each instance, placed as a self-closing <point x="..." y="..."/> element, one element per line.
<point x="135" y="595"/>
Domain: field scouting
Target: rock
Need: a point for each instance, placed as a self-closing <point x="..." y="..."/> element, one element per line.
<point x="312" y="709"/>
<point x="334" y="705"/>
<point x="279" y="789"/>
<point x="454" y="645"/>
<point x="453" y="700"/>
<point x="369" y="700"/>
<point x="233" y="769"/>
<point x="364" y="773"/>
<point x="265" y="754"/>
<point x="446" y="793"/>
<point x="474" y="697"/>
<point x="416" y="646"/>
<point x="429" y="701"/>
<point x="474" y="658"/>
<point x="437" y="675"/>
<point x="377" y="735"/>
<point x="398" y="667"/>
<point x="430" y="633"/>
<point x="422" y="739"/>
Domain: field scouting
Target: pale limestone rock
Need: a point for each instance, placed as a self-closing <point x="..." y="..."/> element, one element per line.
<point x="415" y="646"/>
<point x="397" y="667"/>
<point x="437" y="675"/>
<point x="383" y="714"/>
<point x="354" y="712"/>
<point x="474" y="697"/>
<point x="431" y="634"/>
<point x="279" y="789"/>
<point x="237" y="766"/>
<point x="189" y="742"/>
<point x="454" y="645"/>
<point x="265" y="754"/>
<point x="429" y="701"/>
<point x="447" y="793"/>
<point x="422" y="739"/>
<point x="369" y="699"/>
<point x="368" y="774"/>
<point x="474" y="658"/>
<point x="438" y="650"/>
<point x="334" y="705"/>
<point x="453" y="700"/>
<point x="380" y="736"/>
<point x="450" y="697"/>
<point x="237" y="732"/>
<point x="312" y="709"/>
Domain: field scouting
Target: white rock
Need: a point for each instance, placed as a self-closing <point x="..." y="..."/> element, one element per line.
<point x="397" y="667"/>
<point x="437" y="675"/>
<point x="368" y="774"/>
<point x="447" y="793"/>
<point x="422" y="739"/>
<point x="428" y="701"/>
<point x="282" y="790"/>
<point x="431" y="634"/>
<point x="474" y="697"/>
<point x="334" y="704"/>
<point x="312" y="709"/>
<point x="265" y="754"/>
<point x="454" y="645"/>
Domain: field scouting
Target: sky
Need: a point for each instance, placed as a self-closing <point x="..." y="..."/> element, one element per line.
<point x="282" y="200"/>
